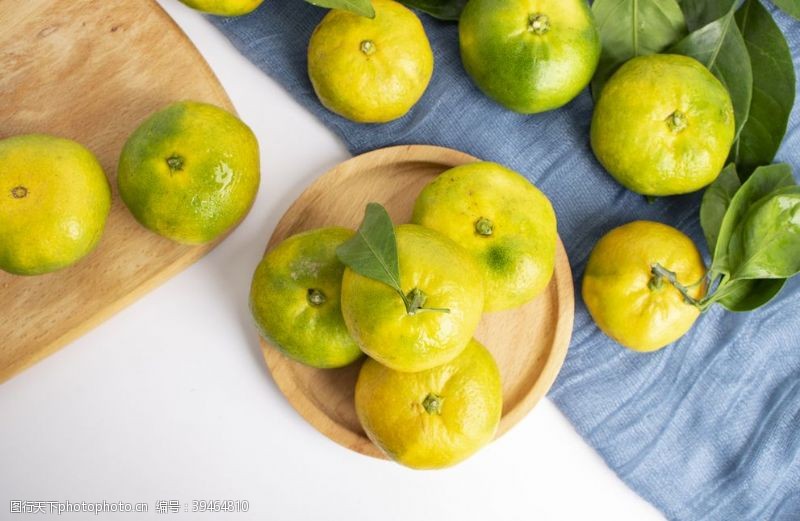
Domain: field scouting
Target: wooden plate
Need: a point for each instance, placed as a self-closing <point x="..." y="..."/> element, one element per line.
<point x="90" y="71"/>
<point x="529" y="343"/>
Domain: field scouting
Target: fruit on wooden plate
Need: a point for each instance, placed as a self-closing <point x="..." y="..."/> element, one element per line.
<point x="224" y="7"/>
<point x="443" y="303"/>
<point x="628" y="284"/>
<point x="529" y="55"/>
<point x="295" y="299"/>
<point x="54" y="202"/>
<point x="370" y="70"/>
<point x="663" y="125"/>
<point x="505" y="222"/>
<point x="434" y="418"/>
<point x="190" y="172"/>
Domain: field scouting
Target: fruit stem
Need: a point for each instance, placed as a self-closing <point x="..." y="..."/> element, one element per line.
<point x="538" y="23"/>
<point x="316" y="297"/>
<point x="19" y="192"/>
<point x="175" y="163"/>
<point x="660" y="273"/>
<point x="484" y="227"/>
<point x="677" y="121"/>
<point x="415" y="300"/>
<point x="367" y="47"/>
<point x="432" y="404"/>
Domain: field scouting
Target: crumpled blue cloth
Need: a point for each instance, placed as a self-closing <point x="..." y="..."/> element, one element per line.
<point x="706" y="429"/>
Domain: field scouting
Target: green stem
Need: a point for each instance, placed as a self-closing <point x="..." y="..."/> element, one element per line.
<point x="415" y="302"/>
<point x="660" y="274"/>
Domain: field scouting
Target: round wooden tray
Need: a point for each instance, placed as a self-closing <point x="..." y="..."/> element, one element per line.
<point x="528" y="343"/>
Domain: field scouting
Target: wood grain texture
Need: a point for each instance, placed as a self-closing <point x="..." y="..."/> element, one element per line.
<point x="91" y="71"/>
<point x="528" y="343"/>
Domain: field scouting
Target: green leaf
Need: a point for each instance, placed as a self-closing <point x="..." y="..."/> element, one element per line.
<point x="372" y="252"/>
<point x="442" y="9"/>
<point x="747" y="295"/>
<point x="790" y="7"/>
<point x="702" y="12"/>
<point x="630" y="28"/>
<point x="716" y="200"/>
<point x="764" y="181"/>
<point x="773" y="88"/>
<point x="361" y="7"/>
<point x="720" y="47"/>
<point x="767" y="243"/>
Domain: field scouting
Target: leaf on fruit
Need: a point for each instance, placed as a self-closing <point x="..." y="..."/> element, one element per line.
<point x="773" y="88"/>
<point x="720" y="47"/>
<point x="716" y="200"/>
<point x="790" y="7"/>
<point x="449" y="10"/>
<point x="372" y="252"/>
<point x="630" y="28"/>
<point x="360" y="7"/>
<point x="766" y="245"/>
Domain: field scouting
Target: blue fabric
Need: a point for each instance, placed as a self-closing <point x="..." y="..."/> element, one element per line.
<point x="707" y="429"/>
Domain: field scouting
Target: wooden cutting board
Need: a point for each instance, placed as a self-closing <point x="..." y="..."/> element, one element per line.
<point x="91" y="71"/>
<point x="529" y="343"/>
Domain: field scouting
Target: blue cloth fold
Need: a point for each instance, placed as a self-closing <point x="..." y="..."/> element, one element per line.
<point x="706" y="429"/>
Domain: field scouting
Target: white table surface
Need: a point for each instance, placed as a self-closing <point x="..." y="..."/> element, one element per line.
<point x="170" y="399"/>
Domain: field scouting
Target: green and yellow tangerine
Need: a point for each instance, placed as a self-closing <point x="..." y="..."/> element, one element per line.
<point x="190" y="172"/>
<point x="54" y="202"/>
<point x="529" y="55"/>
<point x="663" y="125"/>
<point x="295" y="299"/>
<point x="502" y="220"/>
<point x="448" y="279"/>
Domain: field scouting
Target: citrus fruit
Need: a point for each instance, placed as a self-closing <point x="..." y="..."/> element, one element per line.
<point x="626" y="284"/>
<point x="370" y="70"/>
<point x="663" y="125"/>
<point x="440" y="273"/>
<point x="190" y="172"/>
<point x="54" y="202"/>
<point x="224" y="7"/>
<point x="505" y="222"/>
<point x="294" y="299"/>
<point x="435" y="418"/>
<point x="529" y="55"/>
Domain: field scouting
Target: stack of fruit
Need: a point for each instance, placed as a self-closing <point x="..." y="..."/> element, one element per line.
<point x="482" y="238"/>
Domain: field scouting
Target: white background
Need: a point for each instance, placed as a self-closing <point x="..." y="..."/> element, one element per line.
<point x="170" y="399"/>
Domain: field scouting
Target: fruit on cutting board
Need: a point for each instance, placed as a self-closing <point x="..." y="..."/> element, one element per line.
<point x="663" y="125"/>
<point x="435" y="272"/>
<point x="190" y="172"/>
<point x="434" y="418"/>
<point x="54" y="202"/>
<point x="502" y="220"/>
<point x="370" y="70"/>
<point x="529" y="55"/>
<point x="224" y="7"/>
<point x="295" y="299"/>
<point x="627" y="284"/>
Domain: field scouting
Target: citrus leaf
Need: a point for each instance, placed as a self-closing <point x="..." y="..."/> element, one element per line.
<point x="766" y="245"/>
<point x="630" y="28"/>
<point x="747" y="295"/>
<point x="448" y="10"/>
<point x="372" y="252"/>
<point x="720" y="47"/>
<point x="773" y="88"/>
<point x="360" y="7"/>
<point x="702" y="12"/>
<point x="716" y="200"/>
<point x="764" y="181"/>
<point x="790" y="7"/>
